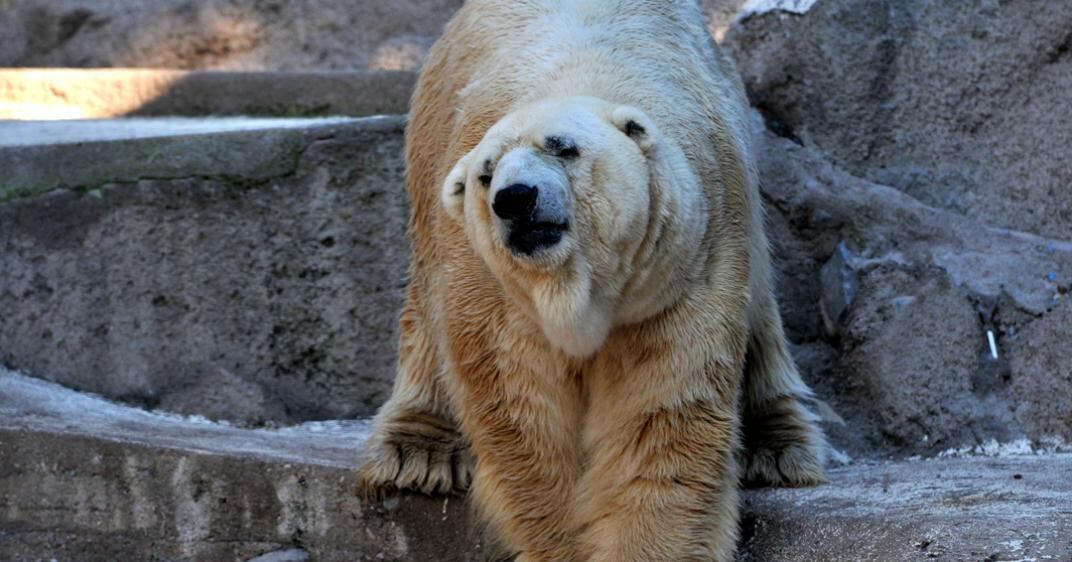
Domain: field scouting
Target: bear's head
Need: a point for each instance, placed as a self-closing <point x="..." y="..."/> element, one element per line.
<point x="587" y="215"/>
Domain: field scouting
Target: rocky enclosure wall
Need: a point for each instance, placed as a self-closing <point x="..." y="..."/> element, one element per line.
<point x="915" y="170"/>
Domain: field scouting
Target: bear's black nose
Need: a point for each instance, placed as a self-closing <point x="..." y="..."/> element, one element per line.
<point x="515" y="202"/>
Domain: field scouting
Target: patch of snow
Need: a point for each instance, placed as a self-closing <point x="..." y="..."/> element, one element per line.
<point x="61" y="399"/>
<point x="29" y="133"/>
<point x="346" y="428"/>
<point x="837" y="457"/>
<point x="1017" y="448"/>
<point x="28" y="402"/>
<point x="756" y="7"/>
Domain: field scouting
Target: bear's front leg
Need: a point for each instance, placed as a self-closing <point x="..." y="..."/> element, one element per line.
<point x="415" y="443"/>
<point x="520" y="406"/>
<point x="661" y="482"/>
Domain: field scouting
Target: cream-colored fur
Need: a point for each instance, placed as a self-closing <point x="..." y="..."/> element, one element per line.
<point x="603" y="384"/>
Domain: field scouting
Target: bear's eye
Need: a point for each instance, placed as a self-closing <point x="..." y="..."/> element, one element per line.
<point x="563" y="147"/>
<point x="485" y="178"/>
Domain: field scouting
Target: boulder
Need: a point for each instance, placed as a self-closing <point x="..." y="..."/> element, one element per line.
<point x="962" y="105"/>
<point x="906" y="361"/>
<point x="916" y="172"/>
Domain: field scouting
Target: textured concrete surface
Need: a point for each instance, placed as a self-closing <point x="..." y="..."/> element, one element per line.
<point x="90" y="480"/>
<point x="915" y="152"/>
<point x="970" y="509"/>
<point x="44" y="93"/>
<point x="208" y="272"/>
<point x="250" y="275"/>
<point x="84" y="479"/>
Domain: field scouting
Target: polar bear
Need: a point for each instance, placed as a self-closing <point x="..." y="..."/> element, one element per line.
<point x="590" y="339"/>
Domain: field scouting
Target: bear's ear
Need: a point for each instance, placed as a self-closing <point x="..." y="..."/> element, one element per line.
<point x="453" y="193"/>
<point x="636" y="125"/>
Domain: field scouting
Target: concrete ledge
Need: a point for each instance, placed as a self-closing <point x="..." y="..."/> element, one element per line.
<point x="41" y="93"/>
<point x="43" y="155"/>
<point x="89" y="479"/>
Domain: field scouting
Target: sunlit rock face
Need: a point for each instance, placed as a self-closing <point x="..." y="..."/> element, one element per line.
<point x="222" y="34"/>
<point x="238" y="34"/>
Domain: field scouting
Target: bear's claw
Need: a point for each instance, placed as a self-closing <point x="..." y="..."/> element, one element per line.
<point x="783" y="446"/>
<point x="415" y="451"/>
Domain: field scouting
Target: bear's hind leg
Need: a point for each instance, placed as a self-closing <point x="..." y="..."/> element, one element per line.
<point x="783" y="446"/>
<point x="415" y="442"/>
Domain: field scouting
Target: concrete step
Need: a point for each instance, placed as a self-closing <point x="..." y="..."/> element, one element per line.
<point x="86" y="479"/>
<point x="66" y="93"/>
<point x="244" y="269"/>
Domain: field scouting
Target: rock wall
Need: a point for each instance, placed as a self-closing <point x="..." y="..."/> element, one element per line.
<point x="889" y="302"/>
<point x="295" y="35"/>
<point x="961" y="107"/>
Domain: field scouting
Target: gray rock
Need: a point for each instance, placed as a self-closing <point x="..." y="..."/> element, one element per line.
<point x="911" y="371"/>
<point x="288" y="555"/>
<point x="127" y="281"/>
<point x="284" y="270"/>
<point x="962" y="105"/>
<point x="840" y="285"/>
<point x="85" y="479"/>
<point x="1041" y="372"/>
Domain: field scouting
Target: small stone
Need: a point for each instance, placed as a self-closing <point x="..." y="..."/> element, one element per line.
<point x="288" y="555"/>
<point x="899" y="303"/>
<point x="839" y="287"/>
